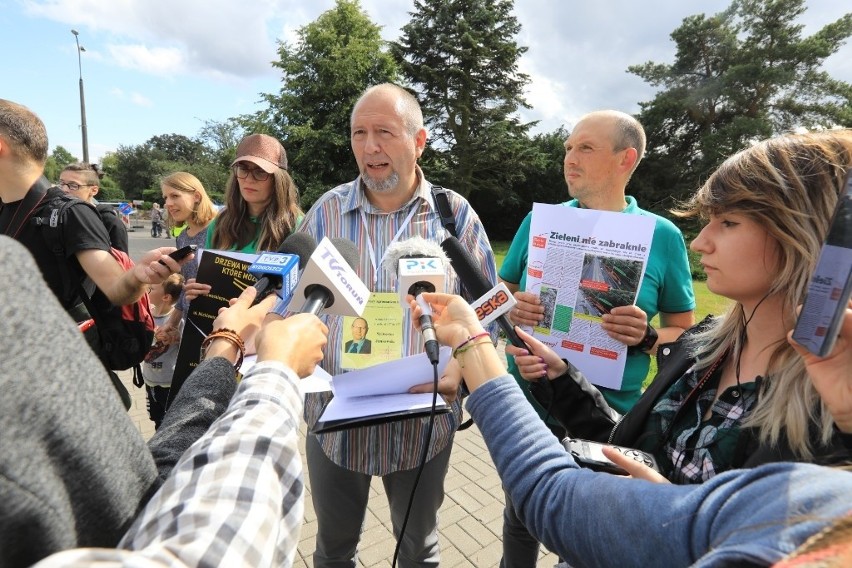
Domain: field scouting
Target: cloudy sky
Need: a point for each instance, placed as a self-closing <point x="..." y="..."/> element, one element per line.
<point x="157" y="67"/>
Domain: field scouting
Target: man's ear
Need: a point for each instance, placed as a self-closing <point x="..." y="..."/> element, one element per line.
<point x="95" y="190"/>
<point x="629" y="160"/>
<point x="420" y="141"/>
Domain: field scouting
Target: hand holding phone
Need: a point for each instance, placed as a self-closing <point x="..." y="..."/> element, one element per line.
<point x="181" y="253"/>
<point x="830" y="285"/>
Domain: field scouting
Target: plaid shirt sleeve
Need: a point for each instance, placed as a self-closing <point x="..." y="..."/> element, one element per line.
<point x="234" y="499"/>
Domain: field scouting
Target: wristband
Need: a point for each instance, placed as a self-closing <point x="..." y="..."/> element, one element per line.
<point x="469" y="339"/>
<point x="233" y="337"/>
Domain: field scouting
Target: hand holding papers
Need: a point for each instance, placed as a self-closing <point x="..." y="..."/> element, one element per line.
<point x="380" y="394"/>
<point x="583" y="263"/>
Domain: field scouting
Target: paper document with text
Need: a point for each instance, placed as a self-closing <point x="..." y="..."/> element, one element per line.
<point x="582" y="263"/>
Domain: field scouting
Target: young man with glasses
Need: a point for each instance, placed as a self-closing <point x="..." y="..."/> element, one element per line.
<point x="81" y="180"/>
<point x="25" y="206"/>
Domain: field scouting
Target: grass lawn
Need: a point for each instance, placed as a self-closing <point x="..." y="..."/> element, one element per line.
<point x="706" y="301"/>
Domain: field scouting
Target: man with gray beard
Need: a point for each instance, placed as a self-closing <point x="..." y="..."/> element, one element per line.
<point x="389" y="202"/>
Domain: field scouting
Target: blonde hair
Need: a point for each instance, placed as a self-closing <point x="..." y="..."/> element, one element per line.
<point x="185" y="182"/>
<point x="789" y="185"/>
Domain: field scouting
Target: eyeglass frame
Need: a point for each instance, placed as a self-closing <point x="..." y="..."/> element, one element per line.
<point x="74" y="186"/>
<point x="237" y="168"/>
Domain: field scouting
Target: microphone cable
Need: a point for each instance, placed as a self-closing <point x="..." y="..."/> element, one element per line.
<point x="420" y="467"/>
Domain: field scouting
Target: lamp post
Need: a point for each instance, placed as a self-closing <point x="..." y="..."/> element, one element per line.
<point x="82" y="99"/>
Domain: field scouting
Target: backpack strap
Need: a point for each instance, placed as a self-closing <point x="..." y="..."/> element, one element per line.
<point x="31" y="201"/>
<point x="52" y="221"/>
<point x="442" y="203"/>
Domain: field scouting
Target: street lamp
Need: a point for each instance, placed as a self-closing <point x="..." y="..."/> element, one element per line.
<point x="82" y="98"/>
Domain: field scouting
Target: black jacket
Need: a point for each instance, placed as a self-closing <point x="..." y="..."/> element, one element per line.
<point x="581" y="409"/>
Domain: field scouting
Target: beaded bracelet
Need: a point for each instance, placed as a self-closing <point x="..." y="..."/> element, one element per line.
<point x="232" y="336"/>
<point x="469" y="339"/>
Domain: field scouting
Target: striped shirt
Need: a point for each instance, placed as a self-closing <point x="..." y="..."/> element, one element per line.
<point x="342" y="213"/>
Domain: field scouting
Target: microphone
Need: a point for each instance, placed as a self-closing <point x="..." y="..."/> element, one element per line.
<point x="476" y="282"/>
<point x="329" y="282"/>
<point x="419" y="266"/>
<point x="277" y="271"/>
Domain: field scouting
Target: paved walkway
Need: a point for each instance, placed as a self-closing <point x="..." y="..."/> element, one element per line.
<point x="471" y="518"/>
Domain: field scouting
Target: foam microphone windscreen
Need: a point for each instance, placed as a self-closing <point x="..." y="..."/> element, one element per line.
<point x="300" y="244"/>
<point x="348" y="251"/>
<point x="466" y="267"/>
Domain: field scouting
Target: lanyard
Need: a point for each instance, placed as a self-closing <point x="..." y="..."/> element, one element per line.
<point x="370" y="249"/>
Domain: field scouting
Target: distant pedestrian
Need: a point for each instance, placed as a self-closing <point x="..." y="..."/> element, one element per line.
<point x="156" y="221"/>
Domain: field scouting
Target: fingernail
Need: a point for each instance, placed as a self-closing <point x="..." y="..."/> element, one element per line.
<point x="541" y="359"/>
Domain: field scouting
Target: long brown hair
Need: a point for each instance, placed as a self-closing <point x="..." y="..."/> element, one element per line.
<point x="234" y="228"/>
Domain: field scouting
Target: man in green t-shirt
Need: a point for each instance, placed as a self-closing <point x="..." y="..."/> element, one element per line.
<point x="601" y="154"/>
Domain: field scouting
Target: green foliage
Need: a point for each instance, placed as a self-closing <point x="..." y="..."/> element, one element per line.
<point x="334" y="60"/>
<point x="138" y="169"/>
<point x="56" y="162"/>
<point x="540" y="180"/>
<point x="741" y="75"/>
<point x="462" y="59"/>
<point x="108" y="190"/>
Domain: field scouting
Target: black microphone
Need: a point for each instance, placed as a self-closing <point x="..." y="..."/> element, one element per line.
<point x="329" y="276"/>
<point x="476" y="282"/>
<point x="297" y="244"/>
<point x="419" y="266"/>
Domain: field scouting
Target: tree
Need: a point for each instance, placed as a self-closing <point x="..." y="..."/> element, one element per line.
<point x="541" y="180"/>
<point x="462" y="59"/>
<point x="221" y="140"/>
<point x="138" y="169"/>
<point x="177" y="147"/>
<point x="741" y="75"/>
<point x="56" y="162"/>
<point x="335" y="58"/>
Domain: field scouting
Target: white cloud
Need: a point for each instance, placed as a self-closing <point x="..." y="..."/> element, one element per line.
<point x="140" y="100"/>
<point x="213" y="37"/>
<point x="166" y="61"/>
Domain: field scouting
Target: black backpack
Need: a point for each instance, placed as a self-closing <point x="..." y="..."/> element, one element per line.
<point x="125" y="333"/>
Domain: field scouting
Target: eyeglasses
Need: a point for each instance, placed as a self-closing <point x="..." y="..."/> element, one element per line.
<point x="258" y="174"/>
<point x="73" y="186"/>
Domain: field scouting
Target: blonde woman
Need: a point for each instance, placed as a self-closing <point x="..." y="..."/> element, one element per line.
<point x="732" y="392"/>
<point x="187" y="203"/>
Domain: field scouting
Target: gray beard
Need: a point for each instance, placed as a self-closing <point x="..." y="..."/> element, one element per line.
<point x="386" y="185"/>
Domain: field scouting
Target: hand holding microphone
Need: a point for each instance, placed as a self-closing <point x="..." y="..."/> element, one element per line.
<point x="476" y="283"/>
<point x="419" y="266"/>
<point x="456" y="323"/>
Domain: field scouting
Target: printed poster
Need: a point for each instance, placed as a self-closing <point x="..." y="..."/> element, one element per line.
<point x="583" y="263"/>
<point x="227" y="273"/>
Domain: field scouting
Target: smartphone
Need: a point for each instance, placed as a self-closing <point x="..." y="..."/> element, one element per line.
<point x="181" y="253"/>
<point x="589" y="454"/>
<point x="831" y="283"/>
